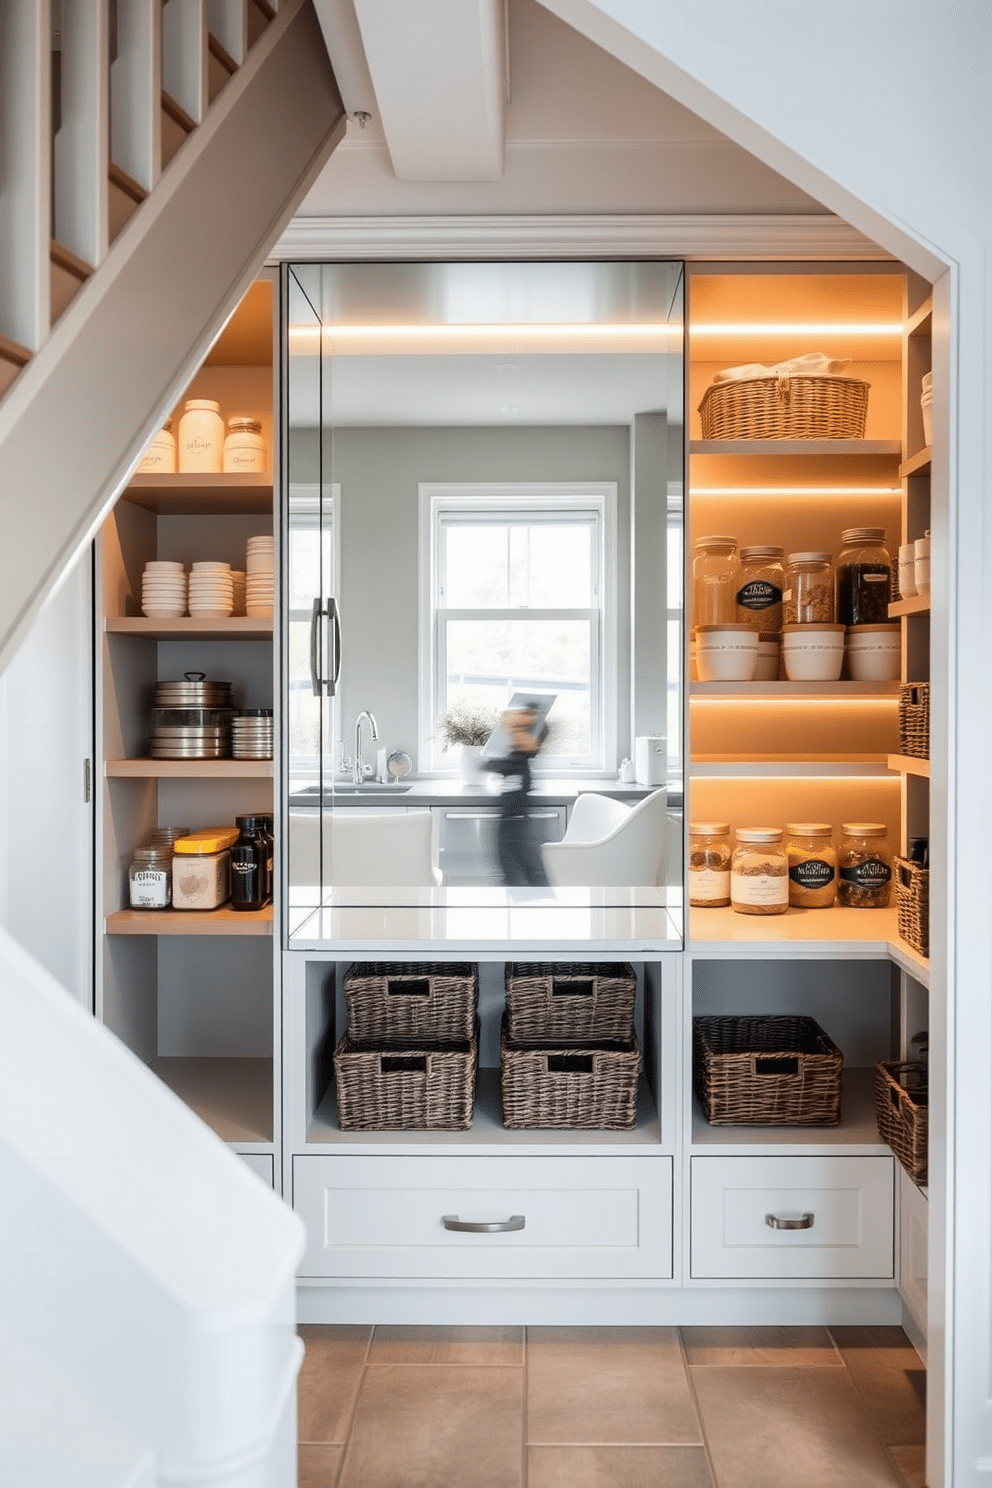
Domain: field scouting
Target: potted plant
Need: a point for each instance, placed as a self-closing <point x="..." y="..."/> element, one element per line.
<point x="467" y="728"/>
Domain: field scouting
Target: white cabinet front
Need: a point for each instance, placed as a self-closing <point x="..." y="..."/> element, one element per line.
<point x="485" y="1216"/>
<point x="782" y="1217"/>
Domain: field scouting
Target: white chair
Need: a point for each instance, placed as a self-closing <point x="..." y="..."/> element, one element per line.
<point x="379" y="848"/>
<point x="609" y="844"/>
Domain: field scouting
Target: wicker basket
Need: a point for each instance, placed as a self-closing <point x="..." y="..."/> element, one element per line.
<point x="413" y="1089"/>
<point x="786" y="408"/>
<point x="592" y="1086"/>
<point x="774" y="1071"/>
<point x="914" y="719"/>
<point x="411" y="1002"/>
<point x="570" y="1002"/>
<point x="913" y="903"/>
<point x="902" y="1114"/>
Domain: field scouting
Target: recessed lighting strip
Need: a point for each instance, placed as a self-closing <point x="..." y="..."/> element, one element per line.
<point x="814" y="328"/>
<point x="795" y="490"/>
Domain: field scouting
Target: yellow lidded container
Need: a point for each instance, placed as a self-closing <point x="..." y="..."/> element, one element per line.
<point x="201" y="871"/>
<point x="207" y="840"/>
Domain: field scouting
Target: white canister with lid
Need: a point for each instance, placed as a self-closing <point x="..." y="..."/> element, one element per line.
<point x="160" y="455"/>
<point x="244" y="448"/>
<point x="201" y="437"/>
<point x="921" y="564"/>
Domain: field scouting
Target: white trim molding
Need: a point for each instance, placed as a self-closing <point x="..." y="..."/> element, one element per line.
<point x="819" y="236"/>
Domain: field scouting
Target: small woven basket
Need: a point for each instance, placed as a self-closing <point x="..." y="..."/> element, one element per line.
<point x="591" y="1087"/>
<point x="786" y="408"/>
<point x="914" y="719"/>
<point x="411" y="1002"/>
<point x="569" y="1002"/>
<point x="913" y="903"/>
<point x="774" y="1071"/>
<point x="902" y="1113"/>
<point x="413" y="1089"/>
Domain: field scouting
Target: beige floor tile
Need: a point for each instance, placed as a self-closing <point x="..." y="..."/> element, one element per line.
<point x="790" y="1347"/>
<point x="329" y="1380"/>
<point x="436" y="1427"/>
<point x="602" y="1386"/>
<point x="911" y="1463"/>
<point x="318" y="1466"/>
<point x="776" y="1428"/>
<point x="617" y="1467"/>
<point x="396" y="1344"/>
<point x="890" y="1375"/>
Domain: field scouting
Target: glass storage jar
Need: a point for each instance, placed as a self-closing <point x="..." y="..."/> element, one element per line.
<point x="864" y="577"/>
<point x="759" y="872"/>
<point x="864" y="863"/>
<point x="709" y="864"/>
<point x="759" y="596"/>
<point x="812" y="864"/>
<point x="201" y="437"/>
<point x="809" y="590"/>
<point x="715" y="581"/>
<point x="150" y="877"/>
<point x="244" y="448"/>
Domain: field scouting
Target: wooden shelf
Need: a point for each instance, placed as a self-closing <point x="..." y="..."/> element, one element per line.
<point x="223" y="921"/>
<point x="917" y="604"/>
<point x="887" y="448"/>
<point x="189" y="495"/>
<point x="748" y="691"/>
<point x="238" y="627"/>
<point x="905" y="764"/>
<point x="165" y="769"/>
<point x="764" y="766"/>
<point x="839" y="932"/>
<point x="918" y="464"/>
<point x="920" y="323"/>
<point x="233" y="1096"/>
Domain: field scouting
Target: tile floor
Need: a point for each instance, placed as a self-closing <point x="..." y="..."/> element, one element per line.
<point x="407" y="1407"/>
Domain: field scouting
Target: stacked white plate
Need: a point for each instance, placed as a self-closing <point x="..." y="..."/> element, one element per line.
<point x="211" y="591"/>
<point x="163" y="590"/>
<point x="238" y="580"/>
<point x="259" y="577"/>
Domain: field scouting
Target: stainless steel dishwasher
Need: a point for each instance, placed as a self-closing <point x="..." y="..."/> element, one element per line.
<point x="467" y="840"/>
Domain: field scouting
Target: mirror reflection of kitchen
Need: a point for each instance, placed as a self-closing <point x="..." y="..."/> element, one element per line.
<point x="484" y="667"/>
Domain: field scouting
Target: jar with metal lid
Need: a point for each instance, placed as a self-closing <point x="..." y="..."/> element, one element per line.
<point x="864" y="577"/>
<point x="812" y="864"/>
<point x="759" y="596"/>
<point x="864" y="866"/>
<point x="809" y="590"/>
<point x="166" y="836"/>
<point x="715" y="581"/>
<point x="160" y="455"/>
<point x="244" y="448"/>
<point x="759" y="872"/>
<point x="709" y="864"/>
<point x="150" y="877"/>
<point x="201" y="437"/>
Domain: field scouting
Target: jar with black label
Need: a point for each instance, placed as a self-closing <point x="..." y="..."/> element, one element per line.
<point x="864" y="863"/>
<point x="812" y="864"/>
<point x="709" y="864"/>
<point x="759" y="872"/>
<point x="759" y="597"/>
<point x="150" y="877"/>
<point x="716" y="573"/>
<point x="864" y="577"/>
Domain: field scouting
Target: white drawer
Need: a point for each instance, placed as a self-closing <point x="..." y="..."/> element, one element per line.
<point x="582" y="1216"/>
<point x="782" y="1217"/>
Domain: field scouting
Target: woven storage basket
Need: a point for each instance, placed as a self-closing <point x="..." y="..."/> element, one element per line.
<point x="786" y="408"/>
<point x="913" y="903"/>
<point x="903" y="1114"/>
<point x="914" y="719"/>
<point x="411" y="1089"/>
<point x="569" y="1002"/>
<point x="406" y="1002"/>
<point x="774" y="1071"/>
<point x="573" y="1085"/>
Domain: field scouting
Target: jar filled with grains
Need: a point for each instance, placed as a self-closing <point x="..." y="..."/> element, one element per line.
<point x="759" y="872"/>
<point x="809" y="590"/>
<point x="709" y="864"/>
<point x="812" y="864"/>
<point x="864" y="862"/>
<point x="759" y="596"/>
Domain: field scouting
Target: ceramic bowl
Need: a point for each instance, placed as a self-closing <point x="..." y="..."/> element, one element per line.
<point x="726" y="653"/>
<point x="873" y="653"/>
<point x="813" y="653"/>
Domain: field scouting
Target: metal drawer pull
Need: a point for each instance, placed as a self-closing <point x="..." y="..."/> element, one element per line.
<point x="484" y="1226"/>
<point x="789" y="1222"/>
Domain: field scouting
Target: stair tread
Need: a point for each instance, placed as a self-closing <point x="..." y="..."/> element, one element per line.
<point x="13" y="352"/>
<point x="222" y="55"/>
<point x="71" y="262"/>
<point x="120" y="178"/>
<point x="177" y="113"/>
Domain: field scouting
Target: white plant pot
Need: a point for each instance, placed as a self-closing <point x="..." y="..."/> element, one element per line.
<point x="470" y="766"/>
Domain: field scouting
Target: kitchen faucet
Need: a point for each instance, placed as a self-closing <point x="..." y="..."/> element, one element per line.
<point x="359" y="770"/>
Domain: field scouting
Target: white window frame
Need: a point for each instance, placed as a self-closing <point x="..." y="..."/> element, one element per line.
<point x="599" y="498"/>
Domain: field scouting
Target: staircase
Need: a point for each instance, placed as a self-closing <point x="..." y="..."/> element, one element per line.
<point x="151" y="151"/>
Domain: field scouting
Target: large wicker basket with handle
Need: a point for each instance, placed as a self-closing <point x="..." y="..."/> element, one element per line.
<point x="785" y="408"/>
<point x="766" y="1071"/>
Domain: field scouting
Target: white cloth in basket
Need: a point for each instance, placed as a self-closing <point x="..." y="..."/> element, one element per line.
<point x="811" y="364"/>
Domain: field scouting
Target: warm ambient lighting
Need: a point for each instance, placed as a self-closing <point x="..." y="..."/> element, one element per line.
<point x="795" y="490"/>
<point x="358" y="340"/>
<point x="819" y="328"/>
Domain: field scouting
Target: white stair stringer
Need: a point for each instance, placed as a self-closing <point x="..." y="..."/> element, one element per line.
<point x="75" y="421"/>
<point x="144" y="1265"/>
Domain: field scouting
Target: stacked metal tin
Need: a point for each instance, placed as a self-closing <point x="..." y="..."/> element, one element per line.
<point x="191" y="719"/>
<point x="251" y="734"/>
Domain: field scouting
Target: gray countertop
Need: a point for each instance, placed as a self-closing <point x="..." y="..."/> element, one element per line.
<point x="456" y="793"/>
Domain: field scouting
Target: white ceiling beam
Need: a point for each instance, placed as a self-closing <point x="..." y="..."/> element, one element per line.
<point x="438" y="68"/>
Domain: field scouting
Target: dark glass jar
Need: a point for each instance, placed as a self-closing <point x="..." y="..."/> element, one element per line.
<point x="248" y="866"/>
<point x="864" y="577"/>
